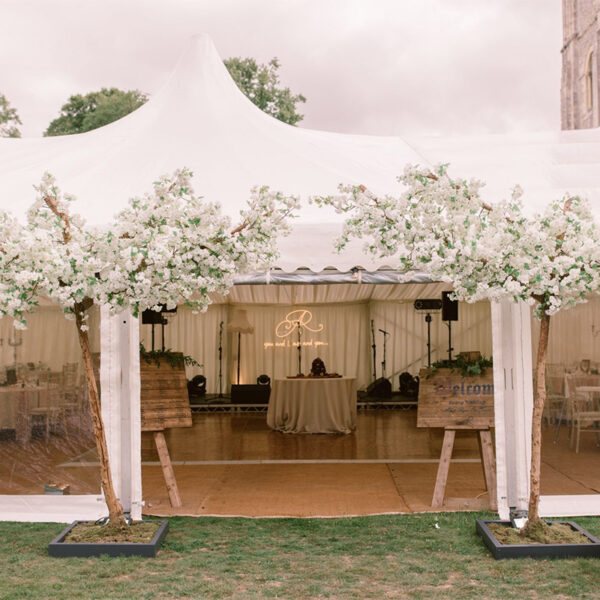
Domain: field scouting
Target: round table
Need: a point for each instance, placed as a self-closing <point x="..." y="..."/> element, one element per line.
<point x="313" y="405"/>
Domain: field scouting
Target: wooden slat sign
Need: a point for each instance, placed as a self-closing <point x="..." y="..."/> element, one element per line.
<point x="447" y="399"/>
<point x="164" y="396"/>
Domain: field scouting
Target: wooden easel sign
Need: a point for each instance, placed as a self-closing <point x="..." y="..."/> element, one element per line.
<point x="449" y="400"/>
<point x="164" y="404"/>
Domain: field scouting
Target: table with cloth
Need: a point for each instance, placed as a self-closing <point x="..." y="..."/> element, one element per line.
<point x="313" y="405"/>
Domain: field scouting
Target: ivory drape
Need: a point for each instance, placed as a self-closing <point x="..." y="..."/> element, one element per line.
<point x="345" y="311"/>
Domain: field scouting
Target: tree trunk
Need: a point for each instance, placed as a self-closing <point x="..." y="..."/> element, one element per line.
<point x="115" y="510"/>
<point x="539" y="400"/>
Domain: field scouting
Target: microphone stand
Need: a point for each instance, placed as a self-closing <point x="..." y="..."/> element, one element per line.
<point x="299" y="349"/>
<point x="428" y="321"/>
<point x="450" y="348"/>
<point x="374" y="348"/>
<point x="385" y="334"/>
<point x="220" y="359"/>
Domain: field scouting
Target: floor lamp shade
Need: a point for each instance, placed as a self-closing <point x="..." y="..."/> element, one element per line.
<point x="239" y="324"/>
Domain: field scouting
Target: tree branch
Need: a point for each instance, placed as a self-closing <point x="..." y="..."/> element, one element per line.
<point x="63" y="216"/>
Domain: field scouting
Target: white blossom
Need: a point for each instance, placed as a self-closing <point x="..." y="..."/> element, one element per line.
<point x="166" y="247"/>
<point x="441" y="226"/>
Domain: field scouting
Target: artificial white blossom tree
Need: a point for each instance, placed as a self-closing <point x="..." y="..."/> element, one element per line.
<point x="167" y="247"/>
<point x="441" y="226"/>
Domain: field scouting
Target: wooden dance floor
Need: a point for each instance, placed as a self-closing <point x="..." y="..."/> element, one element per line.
<point x="231" y="463"/>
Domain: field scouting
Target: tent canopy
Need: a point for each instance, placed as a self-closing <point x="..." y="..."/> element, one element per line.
<point x="201" y="120"/>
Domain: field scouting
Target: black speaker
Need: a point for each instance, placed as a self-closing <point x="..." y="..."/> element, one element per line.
<point x="380" y="388"/>
<point x="250" y="394"/>
<point x="197" y="387"/>
<point x="428" y="304"/>
<point x="409" y="385"/>
<point x="153" y="317"/>
<point x="449" y="308"/>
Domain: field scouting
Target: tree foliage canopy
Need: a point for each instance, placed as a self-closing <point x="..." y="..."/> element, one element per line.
<point x="93" y="110"/>
<point x="9" y="119"/>
<point x="166" y="247"/>
<point x="260" y="83"/>
<point x="442" y="226"/>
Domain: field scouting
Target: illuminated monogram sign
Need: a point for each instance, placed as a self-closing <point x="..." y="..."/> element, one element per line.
<point x="298" y="322"/>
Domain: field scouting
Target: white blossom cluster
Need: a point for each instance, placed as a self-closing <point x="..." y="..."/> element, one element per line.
<point x="441" y="226"/>
<point x="17" y="282"/>
<point x="166" y="247"/>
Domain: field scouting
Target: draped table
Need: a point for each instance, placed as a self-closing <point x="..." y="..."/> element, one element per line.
<point x="313" y="405"/>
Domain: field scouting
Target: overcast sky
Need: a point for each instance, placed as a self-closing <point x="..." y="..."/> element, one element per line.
<point x="382" y="67"/>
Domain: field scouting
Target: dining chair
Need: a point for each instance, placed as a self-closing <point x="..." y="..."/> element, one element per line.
<point x="46" y="410"/>
<point x="72" y="400"/>
<point x="585" y="415"/>
<point x="571" y="382"/>
<point x="555" y="392"/>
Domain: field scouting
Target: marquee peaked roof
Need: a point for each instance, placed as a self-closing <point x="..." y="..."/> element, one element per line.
<point x="200" y="119"/>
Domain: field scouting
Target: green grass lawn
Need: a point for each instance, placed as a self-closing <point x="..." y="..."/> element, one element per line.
<point x="403" y="556"/>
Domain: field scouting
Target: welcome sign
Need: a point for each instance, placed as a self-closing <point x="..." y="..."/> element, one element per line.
<point x="447" y="399"/>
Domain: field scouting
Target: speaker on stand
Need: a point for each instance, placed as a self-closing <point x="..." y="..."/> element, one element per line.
<point x="449" y="314"/>
<point x="427" y="306"/>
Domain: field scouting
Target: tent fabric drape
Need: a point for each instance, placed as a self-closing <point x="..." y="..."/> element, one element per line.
<point x="345" y="310"/>
<point x="49" y="338"/>
<point x="574" y="334"/>
<point x="343" y="343"/>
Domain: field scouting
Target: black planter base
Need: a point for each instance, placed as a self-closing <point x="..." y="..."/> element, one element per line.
<point x="59" y="548"/>
<point x="500" y="551"/>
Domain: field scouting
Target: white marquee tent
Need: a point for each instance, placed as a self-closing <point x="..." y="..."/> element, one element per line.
<point x="199" y="119"/>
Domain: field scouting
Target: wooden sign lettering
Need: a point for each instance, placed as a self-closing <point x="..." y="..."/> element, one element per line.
<point x="447" y="399"/>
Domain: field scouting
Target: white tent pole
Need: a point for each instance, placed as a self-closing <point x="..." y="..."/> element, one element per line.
<point x="120" y="396"/>
<point x="513" y="399"/>
<point x="500" y="360"/>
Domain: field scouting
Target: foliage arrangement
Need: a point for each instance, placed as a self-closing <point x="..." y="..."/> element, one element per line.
<point x="173" y="359"/>
<point x="86" y="112"/>
<point x="166" y="247"/>
<point x="441" y="226"/>
<point x="260" y="83"/>
<point x="9" y="119"/>
<point x="467" y="366"/>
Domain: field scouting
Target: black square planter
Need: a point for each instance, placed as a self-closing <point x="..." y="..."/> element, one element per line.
<point x="57" y="547"/>
<point x="500" y="551"/>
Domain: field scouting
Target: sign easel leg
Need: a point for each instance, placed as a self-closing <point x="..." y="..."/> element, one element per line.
<point x="167" y="468"/>
<point x="444" y="466"/>
<point x="486" y="448"/>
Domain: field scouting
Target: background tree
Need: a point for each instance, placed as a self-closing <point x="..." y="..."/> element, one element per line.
<point x="260" y="83"/>
<point x="9" y="119"/>
<point x="86" y="112"/>
<point x="167" y="247"/>
<point x="442" y="227"/>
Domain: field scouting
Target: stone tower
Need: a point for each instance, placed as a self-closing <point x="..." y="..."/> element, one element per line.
<point x="579" y="94"/>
